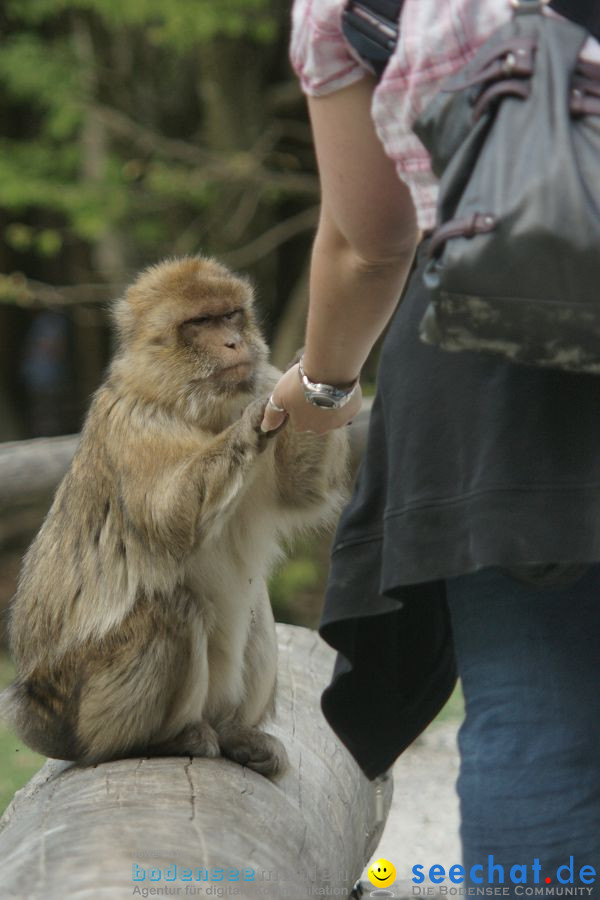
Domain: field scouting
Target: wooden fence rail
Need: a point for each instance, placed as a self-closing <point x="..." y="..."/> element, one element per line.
<point x="31" y="470"/>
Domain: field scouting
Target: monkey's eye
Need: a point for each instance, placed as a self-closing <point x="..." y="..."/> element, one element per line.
<point x="232" y="314"/>
<point x="198" y="320"/>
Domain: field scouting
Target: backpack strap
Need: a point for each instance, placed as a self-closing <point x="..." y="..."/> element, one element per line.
<point x="372" y="26"/>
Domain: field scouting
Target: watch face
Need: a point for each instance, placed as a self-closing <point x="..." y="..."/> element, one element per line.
<point x="320" y="400"/>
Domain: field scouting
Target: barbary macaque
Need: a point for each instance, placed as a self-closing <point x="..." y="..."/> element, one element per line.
<point x="142" y="625"/>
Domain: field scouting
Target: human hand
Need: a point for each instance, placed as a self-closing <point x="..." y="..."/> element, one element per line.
<point x="248" y="427"/>
<point x="303" y="416"/>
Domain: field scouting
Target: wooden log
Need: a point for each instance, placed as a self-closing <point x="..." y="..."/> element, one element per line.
<point x="94" y="832"/>
<point x="31" y="470"/>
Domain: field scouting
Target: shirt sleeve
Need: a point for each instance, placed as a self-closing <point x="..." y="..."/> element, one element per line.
<point x="319" y="53"/>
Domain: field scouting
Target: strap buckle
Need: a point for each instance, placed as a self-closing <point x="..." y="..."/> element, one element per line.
<point x="526" y="6"/>
<point x="372" y="29"/>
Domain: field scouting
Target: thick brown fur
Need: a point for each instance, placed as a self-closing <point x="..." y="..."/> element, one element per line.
<point x="142" y="623"/>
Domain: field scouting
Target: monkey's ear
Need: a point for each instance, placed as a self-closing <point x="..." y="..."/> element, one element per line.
<point x="295" y="359"/>
<point x="123" y="318"/>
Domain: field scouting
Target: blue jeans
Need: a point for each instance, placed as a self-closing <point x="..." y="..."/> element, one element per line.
<point x="529" y="782"/>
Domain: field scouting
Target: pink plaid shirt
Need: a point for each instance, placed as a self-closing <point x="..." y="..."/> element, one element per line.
<point x="436" y="39"/>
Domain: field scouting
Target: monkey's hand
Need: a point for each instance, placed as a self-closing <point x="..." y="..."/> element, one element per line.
<point x="252" y="418"/>
<point x="251" y="421"/>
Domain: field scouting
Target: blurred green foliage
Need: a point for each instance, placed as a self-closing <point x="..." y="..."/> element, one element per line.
<point x="297" y="586"/>
<point x="142" y="120"/>
<point x="17" y="762"/>
<point x="134" y="130"/>
<point x="178" y="23"/>
<point x="131" y="132"/>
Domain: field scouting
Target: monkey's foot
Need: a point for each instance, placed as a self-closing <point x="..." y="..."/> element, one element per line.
<point x="196" y="739"/>
<point x="254" y="748"/>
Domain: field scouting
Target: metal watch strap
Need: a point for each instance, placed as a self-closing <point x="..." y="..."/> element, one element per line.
<point x="326" y="396"/>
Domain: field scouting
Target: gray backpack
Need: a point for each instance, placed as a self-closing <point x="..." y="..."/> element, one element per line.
<point x="515" y="141"/>
<point x="515" y="257"/>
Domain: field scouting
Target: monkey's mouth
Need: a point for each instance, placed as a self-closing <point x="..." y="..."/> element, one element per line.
<point x="237" y="377"/>
<point x="239" y="365"/>
<point x="241" y="371"/>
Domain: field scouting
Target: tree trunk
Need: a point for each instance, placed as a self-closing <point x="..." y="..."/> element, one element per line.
<point x="291" y="327"/>
<point x="104" y="831"/>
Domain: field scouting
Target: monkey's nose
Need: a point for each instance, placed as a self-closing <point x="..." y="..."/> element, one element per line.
<point x="231" y="344"/>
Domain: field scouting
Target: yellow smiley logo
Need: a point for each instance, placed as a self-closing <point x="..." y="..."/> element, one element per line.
<point x="381" y="873"/>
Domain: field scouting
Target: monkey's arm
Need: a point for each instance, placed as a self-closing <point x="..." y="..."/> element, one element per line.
<point x="311" y="469"/>
<point x="175" y="496"/>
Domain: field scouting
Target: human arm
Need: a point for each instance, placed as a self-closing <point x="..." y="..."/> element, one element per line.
<point x="361" y="256"/>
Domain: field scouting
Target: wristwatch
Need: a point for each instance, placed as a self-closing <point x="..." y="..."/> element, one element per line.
<point x="327" y="396"/>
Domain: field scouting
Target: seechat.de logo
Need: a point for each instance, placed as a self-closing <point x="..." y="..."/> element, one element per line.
<point x="565" y="879"/>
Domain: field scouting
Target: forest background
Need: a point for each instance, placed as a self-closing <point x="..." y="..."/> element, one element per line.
<point x="132" y="130"/>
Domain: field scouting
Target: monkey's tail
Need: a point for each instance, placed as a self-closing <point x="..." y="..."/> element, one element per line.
<point x="38" y="729"/>
<point x="12" y="708"/>
<point x="9" y="706"/>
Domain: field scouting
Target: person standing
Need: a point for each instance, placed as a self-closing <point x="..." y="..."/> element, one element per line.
<point x="471" y="543"/>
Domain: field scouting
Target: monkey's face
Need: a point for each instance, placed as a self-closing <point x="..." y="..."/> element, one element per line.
<point x="219" y="341"/>
<point x="196" y="321"/>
